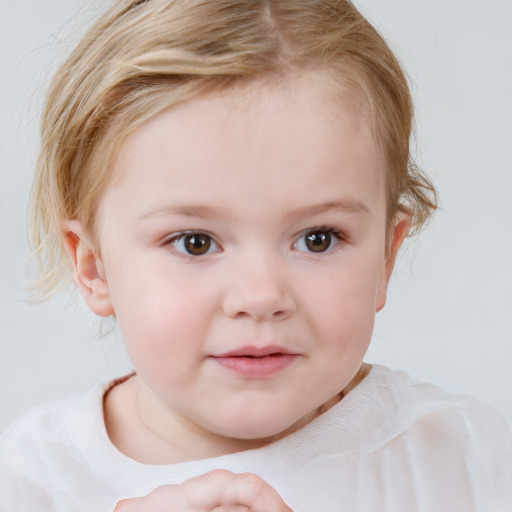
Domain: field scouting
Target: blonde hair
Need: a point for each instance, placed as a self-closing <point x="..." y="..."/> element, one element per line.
<point x="145" y="56"/>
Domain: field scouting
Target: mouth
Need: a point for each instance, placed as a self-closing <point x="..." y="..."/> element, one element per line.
<point x="256" y="362"/>
<point x="251" y="351"/>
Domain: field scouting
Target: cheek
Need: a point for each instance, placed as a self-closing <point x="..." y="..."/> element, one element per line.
<point x="342" y="304"/>
<point x="163" y="322"/>
<point x="350" y="288"/>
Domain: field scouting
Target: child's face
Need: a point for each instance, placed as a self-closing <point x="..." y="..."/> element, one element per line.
<point x="243" y="250"/>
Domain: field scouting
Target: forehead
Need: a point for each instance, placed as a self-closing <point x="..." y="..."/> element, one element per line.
<point x="260" y="137"/>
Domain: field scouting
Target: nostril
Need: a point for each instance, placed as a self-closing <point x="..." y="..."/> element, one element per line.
<point x="259" y="301"/>
<point x="260" y="315"/>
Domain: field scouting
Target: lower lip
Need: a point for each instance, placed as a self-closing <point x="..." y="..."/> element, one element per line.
<point x="257" y="367"/>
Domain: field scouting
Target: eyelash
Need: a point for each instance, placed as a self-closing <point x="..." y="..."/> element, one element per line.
<point x="336" y="238"/>
<point x="174" y="239"/>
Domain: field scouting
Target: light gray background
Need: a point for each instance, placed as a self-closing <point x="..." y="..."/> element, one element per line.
<point x="449" y="314"/>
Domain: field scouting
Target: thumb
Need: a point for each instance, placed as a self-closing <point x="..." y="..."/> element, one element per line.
<point x="128" y="505"/>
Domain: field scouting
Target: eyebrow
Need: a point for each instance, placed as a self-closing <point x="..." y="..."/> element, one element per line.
<point x="346" y="206"/>
<point x="184" y="210"/>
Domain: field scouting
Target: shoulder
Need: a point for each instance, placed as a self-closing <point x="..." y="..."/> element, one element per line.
<point x="42" y="425"/>
<point x="41" y="445"/>
<point x="445" y="437"/>
<point x="49" y="423"/>
<point x="408" y="404"/>
<point x="416" y="401"/>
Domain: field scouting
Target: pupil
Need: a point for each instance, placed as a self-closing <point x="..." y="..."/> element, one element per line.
<point x="319" y="241"/>
<point x="197" y="244"/>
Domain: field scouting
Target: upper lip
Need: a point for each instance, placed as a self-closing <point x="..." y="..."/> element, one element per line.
<point x="254" y="351"/>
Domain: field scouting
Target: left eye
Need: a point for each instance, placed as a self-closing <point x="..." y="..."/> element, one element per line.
<point x="317" y="241"/>
<point x="193" y="244"/>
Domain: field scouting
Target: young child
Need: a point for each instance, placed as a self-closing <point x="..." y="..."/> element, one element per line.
<point x="232" y="182"/>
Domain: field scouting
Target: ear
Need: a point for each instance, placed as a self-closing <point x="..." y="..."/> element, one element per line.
<point x="88" y="268"/>
<point x="397" y="236"/>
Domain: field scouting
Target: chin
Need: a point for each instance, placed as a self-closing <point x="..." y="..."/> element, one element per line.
<point x="266" y="426"/>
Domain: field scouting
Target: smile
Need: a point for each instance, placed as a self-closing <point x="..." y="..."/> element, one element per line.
<point x="255" y="363"/>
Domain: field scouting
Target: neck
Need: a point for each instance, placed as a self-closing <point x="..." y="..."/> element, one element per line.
<point x="137" y="427"/>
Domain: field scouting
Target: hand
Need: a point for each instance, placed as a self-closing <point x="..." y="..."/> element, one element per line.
<point x="216" y="491"/>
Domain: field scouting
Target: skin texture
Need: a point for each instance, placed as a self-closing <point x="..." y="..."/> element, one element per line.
<point x="255" y="171"/>
<point x="216" y="491"/>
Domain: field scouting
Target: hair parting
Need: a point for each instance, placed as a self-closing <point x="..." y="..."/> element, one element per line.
<point x="145" y="56"/>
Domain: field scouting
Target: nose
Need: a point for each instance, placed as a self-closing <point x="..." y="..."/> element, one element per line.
<point x="259" y="289"/>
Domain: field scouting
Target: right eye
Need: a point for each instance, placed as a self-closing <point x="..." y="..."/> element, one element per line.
<point x="320" y="240"/>
<point x="193" y="244"/>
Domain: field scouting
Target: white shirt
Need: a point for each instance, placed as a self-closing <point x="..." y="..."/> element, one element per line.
<point x="391" y="444"/>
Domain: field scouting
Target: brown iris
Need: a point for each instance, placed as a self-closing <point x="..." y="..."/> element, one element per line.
<point x="318" y="241"/>
<point x="197" y="244"/>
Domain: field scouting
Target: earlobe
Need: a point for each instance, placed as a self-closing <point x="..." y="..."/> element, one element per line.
<point x="400" y="231"/>
<point x="88" y="268"/>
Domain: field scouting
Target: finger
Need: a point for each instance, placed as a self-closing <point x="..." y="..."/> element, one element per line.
<point x="222" y="488"/>
<point x="127" y="505"/>
<point x="232" y="508"/>
<point x="218" y="490"/>
<point x="252" y="491"/>
<point x="163" y="499"/>
<point x="141" y="505"/>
